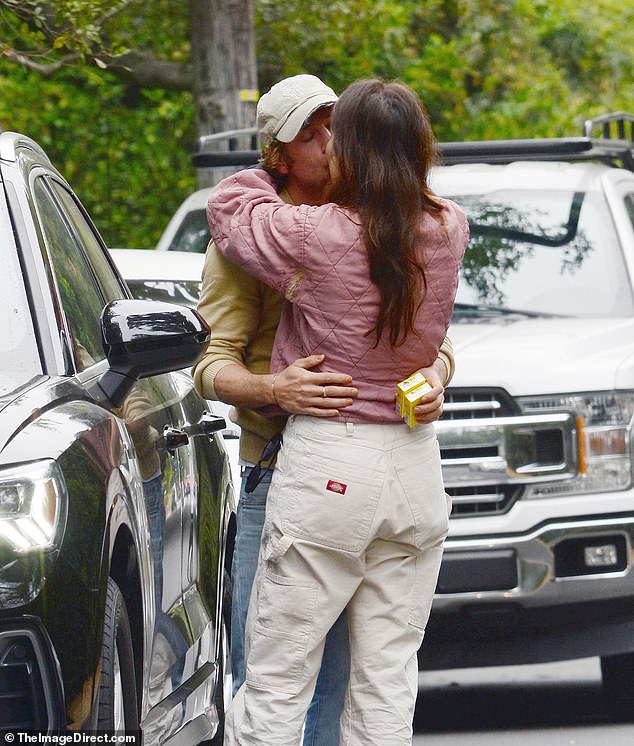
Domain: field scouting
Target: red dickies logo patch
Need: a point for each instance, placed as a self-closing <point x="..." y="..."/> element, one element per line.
<point x="338" y="487"/>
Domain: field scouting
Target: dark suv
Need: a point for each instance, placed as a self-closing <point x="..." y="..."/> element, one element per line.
<point x="116" y="502"/>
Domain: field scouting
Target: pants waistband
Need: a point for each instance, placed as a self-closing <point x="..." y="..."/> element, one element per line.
<point x="376" y="434"/>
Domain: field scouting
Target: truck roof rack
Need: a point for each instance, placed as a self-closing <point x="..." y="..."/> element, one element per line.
<point x="229" y="148"/>
<point x="613" y="150"/>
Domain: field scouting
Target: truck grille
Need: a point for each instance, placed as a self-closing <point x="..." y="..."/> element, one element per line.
<point x="490" y="450"/>
<point x="482" y="499"/>
<point x="468" y="404"/>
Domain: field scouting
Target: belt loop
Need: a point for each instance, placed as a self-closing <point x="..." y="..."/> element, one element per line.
<point x="349" y="429"/>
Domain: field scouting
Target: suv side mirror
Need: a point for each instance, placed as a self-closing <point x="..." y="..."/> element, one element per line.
<point x="143" y="338"/>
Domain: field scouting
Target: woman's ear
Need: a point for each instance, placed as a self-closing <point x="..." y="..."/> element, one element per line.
<point x="282" y="167"/>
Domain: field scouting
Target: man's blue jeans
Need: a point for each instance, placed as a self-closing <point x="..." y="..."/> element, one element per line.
<point x="322" y="720"/>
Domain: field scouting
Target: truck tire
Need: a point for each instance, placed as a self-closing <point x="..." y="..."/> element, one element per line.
<point x="618" y="685"/>
<point x="118" y="709"/>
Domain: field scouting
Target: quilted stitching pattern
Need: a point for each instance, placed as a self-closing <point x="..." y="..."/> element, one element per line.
<point x="315" y="255"/>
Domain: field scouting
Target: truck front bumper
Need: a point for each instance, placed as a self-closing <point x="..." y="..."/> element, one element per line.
<point x="564" y="590"/>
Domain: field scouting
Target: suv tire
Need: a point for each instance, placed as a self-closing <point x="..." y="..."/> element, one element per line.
<point x="118" y="709"/>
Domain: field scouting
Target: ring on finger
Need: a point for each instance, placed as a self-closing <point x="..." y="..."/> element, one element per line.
<point x="323" y="392"/>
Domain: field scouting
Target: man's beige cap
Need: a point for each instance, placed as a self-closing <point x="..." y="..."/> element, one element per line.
<point x="283" y="111"/>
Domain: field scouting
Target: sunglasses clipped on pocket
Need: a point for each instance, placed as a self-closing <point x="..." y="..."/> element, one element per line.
<point x="269" y="452"/>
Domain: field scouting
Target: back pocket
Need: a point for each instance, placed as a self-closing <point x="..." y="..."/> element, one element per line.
<point x="331" y="502"/>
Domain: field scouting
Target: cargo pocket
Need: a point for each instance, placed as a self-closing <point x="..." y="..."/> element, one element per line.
<point x="426" y="572"/>
<point x="330" y="502"/>
<point x="279" y="638"/>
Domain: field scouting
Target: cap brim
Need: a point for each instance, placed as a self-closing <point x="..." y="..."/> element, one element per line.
<point x="292" y="126"/>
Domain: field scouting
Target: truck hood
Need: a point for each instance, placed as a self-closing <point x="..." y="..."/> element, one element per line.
<point x="544" y="355"/>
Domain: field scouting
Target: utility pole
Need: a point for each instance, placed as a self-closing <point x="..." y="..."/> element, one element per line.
<point x="224" y="67"/>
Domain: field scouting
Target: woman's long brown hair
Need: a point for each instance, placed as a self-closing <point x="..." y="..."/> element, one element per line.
<point x="384" y="147"/>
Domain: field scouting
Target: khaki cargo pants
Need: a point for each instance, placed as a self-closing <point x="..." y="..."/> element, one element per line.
<point x="356" y="519"/>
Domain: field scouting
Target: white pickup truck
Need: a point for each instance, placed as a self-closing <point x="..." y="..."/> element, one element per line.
<point x="536" y="436"/>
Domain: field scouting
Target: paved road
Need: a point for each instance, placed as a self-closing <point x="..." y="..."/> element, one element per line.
<point x="547" y="705"/>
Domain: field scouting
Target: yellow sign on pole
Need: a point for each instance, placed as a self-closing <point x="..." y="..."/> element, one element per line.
<point x="248" y="95"/>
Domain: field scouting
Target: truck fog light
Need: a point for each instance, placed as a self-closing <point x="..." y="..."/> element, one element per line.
<point x="591" y="555"/>
<point x="601" y="556"/>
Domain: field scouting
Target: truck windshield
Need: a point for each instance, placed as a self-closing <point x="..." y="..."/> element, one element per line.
<point x="19" y="358"/>
<point x="184" y="292"/>
<point x="542" y="253"/>
<point x="192" y="234"/>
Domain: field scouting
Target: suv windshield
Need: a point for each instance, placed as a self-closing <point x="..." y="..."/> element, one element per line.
<point x="19" y="358"/>
<point x="542" y="253"/>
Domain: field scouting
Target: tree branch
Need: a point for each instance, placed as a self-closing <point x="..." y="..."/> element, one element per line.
<point x="143" y="69"/>
<point x="43" y="68"/>
<point x="135" y="66"/>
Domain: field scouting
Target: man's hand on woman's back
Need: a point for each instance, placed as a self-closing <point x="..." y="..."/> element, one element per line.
<point x="300" y="390"/>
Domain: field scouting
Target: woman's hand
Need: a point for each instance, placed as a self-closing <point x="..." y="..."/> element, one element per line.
<point x="430" y="407"/>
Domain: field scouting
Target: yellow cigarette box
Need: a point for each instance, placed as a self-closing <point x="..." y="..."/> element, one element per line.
<point x="404" y="387"/>
<point x="412" y="399"/>
<point x="408" y="395"/>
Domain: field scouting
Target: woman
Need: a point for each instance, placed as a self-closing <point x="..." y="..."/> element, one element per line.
<point x="357" y="513"/>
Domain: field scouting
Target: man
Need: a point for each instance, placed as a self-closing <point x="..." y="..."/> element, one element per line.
<point x="294" y="125"/>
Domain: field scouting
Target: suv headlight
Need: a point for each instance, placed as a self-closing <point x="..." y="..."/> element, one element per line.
<point x="32" y="505"/>
<point x="604" y="421"/>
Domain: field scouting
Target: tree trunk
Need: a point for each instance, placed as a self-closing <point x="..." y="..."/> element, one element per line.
<point x="224" y="67"/>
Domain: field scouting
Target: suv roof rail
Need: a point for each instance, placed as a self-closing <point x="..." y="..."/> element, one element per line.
<point x="611" y="150"/>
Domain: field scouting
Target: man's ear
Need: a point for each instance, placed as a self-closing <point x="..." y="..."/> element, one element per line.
<point x="282" y="167"/>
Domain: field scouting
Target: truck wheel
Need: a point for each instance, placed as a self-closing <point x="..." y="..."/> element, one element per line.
<point x="618" y="685"/>
<point x="118" y="710"/>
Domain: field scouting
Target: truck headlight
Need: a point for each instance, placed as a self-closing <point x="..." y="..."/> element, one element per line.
<point x="605" y="440"/>
<point x="32" y="505"/>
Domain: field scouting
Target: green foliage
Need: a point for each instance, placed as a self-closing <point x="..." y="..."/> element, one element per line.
<point x="124" y="151"/>
<point x="484" y="68"/>
<point x="339" y="41"/>
<point x="69" y="25"/>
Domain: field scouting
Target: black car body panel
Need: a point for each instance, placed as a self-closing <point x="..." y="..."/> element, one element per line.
<point x="100" y="483"/>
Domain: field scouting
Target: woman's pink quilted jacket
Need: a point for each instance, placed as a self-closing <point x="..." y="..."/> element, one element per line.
<point x="315" y="257"/>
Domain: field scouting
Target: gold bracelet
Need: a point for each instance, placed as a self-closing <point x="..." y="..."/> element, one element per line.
<point x="273" y="390"/>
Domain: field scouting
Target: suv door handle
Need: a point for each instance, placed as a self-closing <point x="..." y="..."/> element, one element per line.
<point x="174" y="438"/>
<point x="208" y="424"/>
